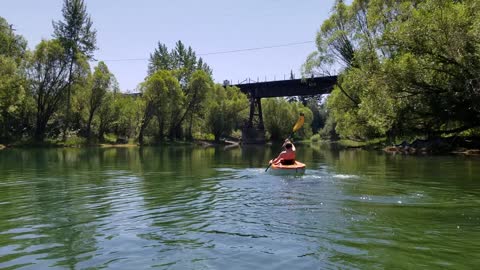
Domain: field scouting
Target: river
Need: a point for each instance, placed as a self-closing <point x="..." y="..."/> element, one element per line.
<point x="184" y="207"/>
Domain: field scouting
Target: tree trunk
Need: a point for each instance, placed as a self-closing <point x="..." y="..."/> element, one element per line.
<point x="217" y="137"/>
<point x="89" y="125"/>
<point x="40" y="129"/>
<point x="160" y="128"/>
<point x="101" y="131"/>
<point x="140" y="135"/>
<point x="67" y="113"/>
<point x="5" y="125"/>
<point x="189" y="135"/>
<point x="146" y="119"/>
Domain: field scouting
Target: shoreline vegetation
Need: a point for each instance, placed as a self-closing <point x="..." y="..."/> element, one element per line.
<point x="398" y="76"/>
<point x="78" y="142"/>
<point x="468" y="146"/>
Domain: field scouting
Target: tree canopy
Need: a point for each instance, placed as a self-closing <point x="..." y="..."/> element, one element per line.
<point x="409" y="68"/>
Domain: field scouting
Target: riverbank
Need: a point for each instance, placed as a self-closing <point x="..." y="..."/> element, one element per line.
<point x="469" y="146"/>
<point x="82" y="143"/>
<point x="449" y="145"/>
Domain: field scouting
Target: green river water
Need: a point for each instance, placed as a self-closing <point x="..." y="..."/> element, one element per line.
<point x="189" y="207"/>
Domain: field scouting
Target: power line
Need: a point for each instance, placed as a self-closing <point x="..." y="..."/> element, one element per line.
<point x="222" y="52"/>
<point x="259" y="48"/>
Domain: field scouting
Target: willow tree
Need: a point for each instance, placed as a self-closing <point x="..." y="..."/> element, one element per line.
<point x="101" y="83"/>
<point x="227" y="108"/>
<point x="281" y="115"/>
<point x="413" y="71"/>
<point x="119" y="114"/>
<point x="160" y="92"/>
<point x="78" y="38"/>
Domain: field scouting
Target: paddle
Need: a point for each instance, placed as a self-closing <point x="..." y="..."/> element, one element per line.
<point x="296" y="127"/>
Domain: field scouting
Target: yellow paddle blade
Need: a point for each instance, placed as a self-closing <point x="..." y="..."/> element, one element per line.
<point x="299" y="123"/>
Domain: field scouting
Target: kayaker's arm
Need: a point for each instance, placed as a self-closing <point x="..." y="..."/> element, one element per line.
<point x="279" y="158"/>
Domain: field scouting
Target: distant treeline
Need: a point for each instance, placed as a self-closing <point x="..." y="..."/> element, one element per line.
<point x="51" y="93"/>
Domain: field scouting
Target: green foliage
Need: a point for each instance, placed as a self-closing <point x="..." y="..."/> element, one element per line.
<point x="12" y="81"/>
<point x="410" y="67"/>
<point x="101" y="82"/>
<point x="280" y="116"/>
<point x="161" y="96"/>
<point x="315" y="138"/>
<point x="181" y="59"/>
<point x="12" y="95"/>
<point x="11" y="45"/>
<point x="227" y="109"/>
<point x="186" y="67"/>
<point x="78" y="38"/>
<point x="328" y="132"/>
<point x="75" y="141"/>
<point x="319" y="114"/>
<point x="47" y="75"/>
<point x="118" y="114"/>
<point x="109" y="138"/>
<point x="75" y="32"/>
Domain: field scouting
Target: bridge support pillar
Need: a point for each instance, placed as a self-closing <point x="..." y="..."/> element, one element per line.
<point x="256" y="117"/>
<point x="254" y="130"/>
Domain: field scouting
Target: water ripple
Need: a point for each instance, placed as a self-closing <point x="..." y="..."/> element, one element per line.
<point x="120" y="215"/>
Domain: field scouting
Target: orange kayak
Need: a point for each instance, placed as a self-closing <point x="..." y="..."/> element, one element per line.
<point x="297" y="168"/>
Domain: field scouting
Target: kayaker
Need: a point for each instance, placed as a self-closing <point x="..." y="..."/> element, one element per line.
<point x="286" y="157"/>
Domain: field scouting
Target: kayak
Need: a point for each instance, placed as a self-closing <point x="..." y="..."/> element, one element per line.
<point x="297" y="168"/>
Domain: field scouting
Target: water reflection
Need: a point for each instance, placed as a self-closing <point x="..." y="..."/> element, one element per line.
<point x="192" y="207"/>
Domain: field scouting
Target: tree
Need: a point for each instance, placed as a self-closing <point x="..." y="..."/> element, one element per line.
<point x="119" y="114"/>
<point x="48" y="80"/>
<point x="412" y="68"/>
<point x="159" y="91"/>
<point x="12" y="79"/>
<point x="200" y="84"/>
<point x="280" y="116"/>
<point x="184" y="62"/>
<point x="78" y="39"/>
<point x="227" y="108"/>
<point x="101" y="82"/>
<point x="12" y="45"/>
<point x="12" y="93"/>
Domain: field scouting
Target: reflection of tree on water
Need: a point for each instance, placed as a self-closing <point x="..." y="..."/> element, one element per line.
<point x="76" y="208"/>
<point x="58" y="208"/>
<point x="256" y="156"/>
<point x="178" y="189"/>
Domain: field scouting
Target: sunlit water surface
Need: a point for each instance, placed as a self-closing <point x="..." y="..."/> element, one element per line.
<point x="216" y="208"/>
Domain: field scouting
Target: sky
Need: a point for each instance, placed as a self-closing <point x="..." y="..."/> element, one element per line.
<point x="129" y="31"/>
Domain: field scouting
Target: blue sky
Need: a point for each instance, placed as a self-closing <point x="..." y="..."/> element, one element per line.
<point x="132" y="30"/>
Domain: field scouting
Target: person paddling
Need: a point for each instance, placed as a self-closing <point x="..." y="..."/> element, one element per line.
<point x="286" y="157"/>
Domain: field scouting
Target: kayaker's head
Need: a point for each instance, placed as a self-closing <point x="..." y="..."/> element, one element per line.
<point x="287" y="144"/>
